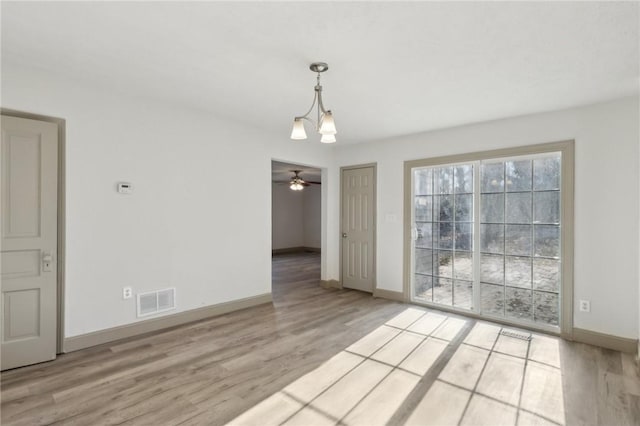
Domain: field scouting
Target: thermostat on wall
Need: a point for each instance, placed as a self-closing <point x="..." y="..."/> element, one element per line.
<point x="125" y="188"/>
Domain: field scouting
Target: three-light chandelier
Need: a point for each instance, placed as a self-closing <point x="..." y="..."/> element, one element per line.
<point x="324" y="123"/>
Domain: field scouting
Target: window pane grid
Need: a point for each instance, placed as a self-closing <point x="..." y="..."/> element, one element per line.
<point x="443" y="213"/>
<point x="518" y="251"/>
<point x="518" y="236"/>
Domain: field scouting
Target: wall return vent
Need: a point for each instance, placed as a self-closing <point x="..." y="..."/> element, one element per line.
<point x="154" y="302"/>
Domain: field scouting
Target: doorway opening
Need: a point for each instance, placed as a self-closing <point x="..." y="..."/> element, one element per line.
<point x="296" y="226"/>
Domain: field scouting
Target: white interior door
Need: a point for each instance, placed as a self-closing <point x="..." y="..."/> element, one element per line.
<point x="29" y="241"/>
<point x="358" y="224"/>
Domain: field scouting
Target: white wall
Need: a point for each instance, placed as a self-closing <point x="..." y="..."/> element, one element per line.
<point x="296" y="217"/>
<point x="287" y="217"/>
<point x="186" y="225"/>
<point x="606" y="199"/>
<point x="312" y="208"/>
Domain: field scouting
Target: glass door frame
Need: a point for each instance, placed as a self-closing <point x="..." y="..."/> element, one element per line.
<point x="566" y="149"/>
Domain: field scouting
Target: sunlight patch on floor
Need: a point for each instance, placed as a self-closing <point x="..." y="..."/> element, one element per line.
<point x="489" y="379"/>
<point x="498" y="380"/>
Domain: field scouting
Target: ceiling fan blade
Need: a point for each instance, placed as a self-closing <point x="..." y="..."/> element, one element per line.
<point x="314" y="182"/>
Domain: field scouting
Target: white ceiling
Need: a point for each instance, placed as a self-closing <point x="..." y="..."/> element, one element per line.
<point x="395" y="68"/>
<point x="282" y="172"/>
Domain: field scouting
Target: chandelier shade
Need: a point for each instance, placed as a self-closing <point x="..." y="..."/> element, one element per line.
<point x="328" y="138"/>
<point x="324" y="123"/>
<point x="298" y="132"/>
<point x="328" y="126"/>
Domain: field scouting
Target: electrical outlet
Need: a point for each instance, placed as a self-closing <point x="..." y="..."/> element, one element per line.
<point x="127" y="292"/>
<point x="585" y="306"/>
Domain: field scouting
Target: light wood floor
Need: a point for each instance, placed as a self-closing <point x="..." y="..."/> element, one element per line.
<point x="321" y="356"/>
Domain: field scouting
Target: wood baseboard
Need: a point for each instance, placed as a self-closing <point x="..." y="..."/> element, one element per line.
<point x="331" y="284"/>
<point x="398" y="296"/>
<point x="608" y="341"/>
<point x="301" y="249"/>
<point x="83" y="341"/>
<point x="312" y="249"/>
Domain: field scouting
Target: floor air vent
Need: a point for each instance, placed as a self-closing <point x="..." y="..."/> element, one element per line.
<point x="516" y="335"/>
<point x="154" y="302"/>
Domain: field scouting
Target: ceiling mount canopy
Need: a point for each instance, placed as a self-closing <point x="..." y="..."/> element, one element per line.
<point x="324" y="123"/>
<point x="319" y="67"/>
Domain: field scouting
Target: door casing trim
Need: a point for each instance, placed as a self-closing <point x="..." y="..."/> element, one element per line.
<point x="61" y="210"/>
<point x="375" y="219"/>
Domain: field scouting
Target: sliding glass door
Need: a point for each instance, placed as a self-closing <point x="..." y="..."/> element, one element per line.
<point x="486" y="237"/>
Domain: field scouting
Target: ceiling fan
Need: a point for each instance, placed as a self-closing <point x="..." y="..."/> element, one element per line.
<point x="297" y="183"/>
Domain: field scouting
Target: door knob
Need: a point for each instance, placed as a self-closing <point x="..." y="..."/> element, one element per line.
<point x="344" y="235"/>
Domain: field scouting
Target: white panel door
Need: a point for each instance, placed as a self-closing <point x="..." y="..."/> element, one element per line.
<point x="29" y="241"/>
<point x="358" y="189"/>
